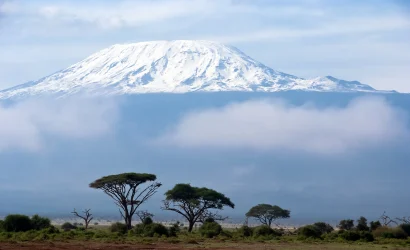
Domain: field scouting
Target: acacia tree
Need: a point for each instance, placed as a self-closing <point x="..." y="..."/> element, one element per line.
<point x="144" y="214"/>
<point x="87" y="217"/>
<point x="124" y="189"/>
<point x="266" y="214"/>
<point x="194" y="202"/>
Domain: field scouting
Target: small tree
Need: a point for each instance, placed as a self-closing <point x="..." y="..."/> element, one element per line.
<point x="124" y="189"/>
<point x="362" y="224"/>
<point x="374" y="225"/>
<point x="143" y="215"/>
<point x="193" y="202"/>
<point x="38" y="222"/>
<point x="266" y="214"/>
<point x="346" y="225"/>
<point x="87" y="217"/>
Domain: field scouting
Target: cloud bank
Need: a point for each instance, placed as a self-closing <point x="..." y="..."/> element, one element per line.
<point x="24" y="125"/>
<point x="274" y="124"/>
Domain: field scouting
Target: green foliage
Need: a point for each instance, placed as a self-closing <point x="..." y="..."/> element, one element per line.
<point x="150" y="230"/>
<point x="210" y="229"/>
<point x="366" y="236"/>
<point x="67" y="226"/>
<point x="346" y="224"/>
<point x="390" y="233"/>
<point x="17" y="223"/>
<point x="1" y="225"/>
<point x="265" y="230"/>
<point x="118" y="227"/>
<point x="125" y="178"/>
<point x="266" y="213"/>
<point x="209" y="220"/>
<point x="147" y="221"/>
<point x="405" y="228"/>
<point x="245" y="231"/>
<point x="362" y="224"/>
<point x="310" y="231"/>
<point x="195" y="195"/>
<point x="323" y="227"/>
<point x="174" y="229"/>
<point x="374" y="225"/>
<point x="39" y="223"/>
<point x="350" y="235"/>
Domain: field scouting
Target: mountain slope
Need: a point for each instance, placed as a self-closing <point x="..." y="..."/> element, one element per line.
<point x="175" y="67"/>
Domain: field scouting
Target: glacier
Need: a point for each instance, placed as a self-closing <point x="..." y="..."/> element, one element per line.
<point x="178" y="66"/>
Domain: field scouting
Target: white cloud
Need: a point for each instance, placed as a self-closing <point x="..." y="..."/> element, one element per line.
<point x="329" y="29"/>
<point x="23" y="125"/>
<point x="273" y="124"/>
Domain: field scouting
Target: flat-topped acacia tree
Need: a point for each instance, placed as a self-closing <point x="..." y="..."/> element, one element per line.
<point x="125" y="191"/>
<point x="193" y="202"/>
<point x="266" y="213"/>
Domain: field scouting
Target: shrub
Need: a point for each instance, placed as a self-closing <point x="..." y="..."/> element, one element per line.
<point x="67" y="226"/>
<point x="209" y="219"/>
<point x="147" y="221"/>
<point x="1" y="226"/>
<point x="374" y="225"/>
<point x="118" y="227"/>
<point x="174" y="229"/>
<point x="350" y="235"/>
<point x="390" y="233"/>
<point x="405" y="227"/>
<point x="323" y="227"/>
<point x="265" y="230"/>
<point x="210" y="229"/>
<point x="366" y="236"/>
<point x="310" y="231"/>
<point x="362" y="224"/>
<point x="39" y="223"/>
<point x="17" y="223"/>
<point x="346" y="224"/>
<point x="245" y="231"/>
<point x="150" y="230"/>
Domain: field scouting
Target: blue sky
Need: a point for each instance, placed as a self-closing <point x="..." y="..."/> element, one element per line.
<point x="365" y="40"/>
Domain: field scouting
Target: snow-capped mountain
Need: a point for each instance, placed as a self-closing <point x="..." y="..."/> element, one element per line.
<point x="174" y="67"/>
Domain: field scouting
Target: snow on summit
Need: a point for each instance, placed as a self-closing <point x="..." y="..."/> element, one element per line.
<point x="173" y="67"/>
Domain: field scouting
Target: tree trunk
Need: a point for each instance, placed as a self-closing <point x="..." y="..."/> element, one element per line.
<point x="191" y="226"/>
<point x="128" y="222"/>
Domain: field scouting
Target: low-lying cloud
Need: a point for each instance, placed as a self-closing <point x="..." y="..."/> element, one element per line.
<point x="24" y="125"/>
<point x="275" y="124"/>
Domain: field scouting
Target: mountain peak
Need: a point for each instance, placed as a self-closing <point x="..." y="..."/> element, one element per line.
<point x="177" y="66"/>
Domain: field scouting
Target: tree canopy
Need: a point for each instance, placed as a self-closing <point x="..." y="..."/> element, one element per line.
<point x="266" y="213"/>
<point x="124" y="189"/>
<point x="194" y="202"/>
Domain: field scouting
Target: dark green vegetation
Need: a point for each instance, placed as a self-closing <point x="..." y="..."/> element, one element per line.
<point x="124" y="190"/>
<point x="195" y="203"/>
<point x="198" y="206"/>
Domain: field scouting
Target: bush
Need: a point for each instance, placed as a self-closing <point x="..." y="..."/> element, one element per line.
<point x="39" y="223"/>
<point x="390" y="233"/>
<point x="310" y="231"/>
<point x="147" y="221"/>
<point x="174" y="229"/>
<point x="350" y="235"/>
<point x="366" y="236"/>
<point x="1" y="226"/>
<point x="265" y="230"/>
<point x="406" y="228"/>
<point x="17" y="223"/>
<point x="324" y="228"/>
<point x="374" y="225"/>
<point x="67" y="226"/>
<point x="151" y="230"/>
<point x="346" y="224"/>
<point x="210" y="229"/>
<point x="245" y="231"/>
<point x="118" y="227"/>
